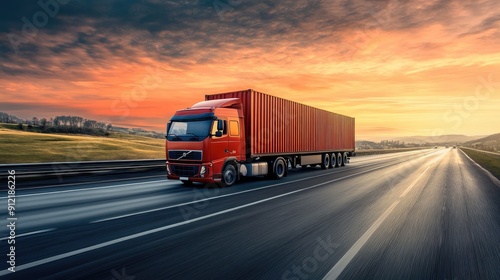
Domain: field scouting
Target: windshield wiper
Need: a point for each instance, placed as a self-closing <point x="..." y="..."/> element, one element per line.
<point x="197" y="137"/>
<point x="176" y="137"/>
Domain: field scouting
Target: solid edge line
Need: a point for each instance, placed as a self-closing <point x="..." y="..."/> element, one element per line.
<point x="29" y="233"/>
<point x="144" y="233"/>
<point x="492" y="178"/>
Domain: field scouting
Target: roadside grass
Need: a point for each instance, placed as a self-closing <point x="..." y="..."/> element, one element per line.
<point x="27" y="147"/>
<point x="488" y="161"/>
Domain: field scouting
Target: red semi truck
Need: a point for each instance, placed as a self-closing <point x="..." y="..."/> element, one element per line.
<point x="249" y="133"/>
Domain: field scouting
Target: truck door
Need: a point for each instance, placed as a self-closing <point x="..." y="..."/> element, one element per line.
<point x="234" y="139"/>
<point x="219" y="149"/>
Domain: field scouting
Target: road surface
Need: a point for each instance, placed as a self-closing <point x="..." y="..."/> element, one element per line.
<point x="428" y="214"/>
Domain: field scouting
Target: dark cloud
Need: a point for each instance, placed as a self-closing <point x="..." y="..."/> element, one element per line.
<point x="492" y="22"/>
<point x="199" y="31"/>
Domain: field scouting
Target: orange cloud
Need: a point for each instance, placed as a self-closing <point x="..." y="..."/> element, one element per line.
<point x="399" y="68"/>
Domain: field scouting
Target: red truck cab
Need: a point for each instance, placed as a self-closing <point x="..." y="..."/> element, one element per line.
<point x="203" y="138"/>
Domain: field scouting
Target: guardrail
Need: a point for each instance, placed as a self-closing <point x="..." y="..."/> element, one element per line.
<point x="84" y="167"/>
<point x="387" y="151"/>
<point x="481" y="151"/>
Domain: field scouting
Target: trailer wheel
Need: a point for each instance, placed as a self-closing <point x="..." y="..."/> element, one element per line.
<point x="279" y="169"/>
<point x="229" y="175"/>
<point x="344" y="159"/>
<point x="325" y="161"/>
<point x="333" y="160"/>
<point x="339" y="160"/>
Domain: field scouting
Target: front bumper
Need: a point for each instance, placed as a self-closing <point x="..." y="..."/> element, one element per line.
<point x="199" y="172"/>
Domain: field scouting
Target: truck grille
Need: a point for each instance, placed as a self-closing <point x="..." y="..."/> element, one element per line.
<point x="193" y="155"/>
<point x="185" y="170"/>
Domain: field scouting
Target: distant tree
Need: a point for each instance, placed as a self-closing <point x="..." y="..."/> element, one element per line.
<point x="100" y="125"/>
<point x="4" y="117"/>
<point x="43" y="123"/>
<point x="20" y="126"/>
<point x="35" y="121"/>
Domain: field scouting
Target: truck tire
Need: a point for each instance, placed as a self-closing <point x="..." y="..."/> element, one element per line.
<point x="279" y="168"/>
<point x="333" y="160"/>
<point x="344" y="159"/>
<point x="229" y="175"/>
<point x="339" y="160"/>
<point x="325" y="161"/>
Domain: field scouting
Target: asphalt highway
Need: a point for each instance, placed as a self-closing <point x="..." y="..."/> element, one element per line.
<point x="427" y="214"/>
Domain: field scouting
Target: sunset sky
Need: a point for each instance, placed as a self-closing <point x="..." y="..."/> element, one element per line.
<point x="399" y="67"/>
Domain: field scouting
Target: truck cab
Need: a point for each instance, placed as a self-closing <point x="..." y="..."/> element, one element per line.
<point x="204" y="142"/>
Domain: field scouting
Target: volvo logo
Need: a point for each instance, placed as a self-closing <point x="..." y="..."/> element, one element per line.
<point x="184" y="154"/>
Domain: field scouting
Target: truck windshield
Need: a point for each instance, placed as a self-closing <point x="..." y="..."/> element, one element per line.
<point x="189" y="130"/>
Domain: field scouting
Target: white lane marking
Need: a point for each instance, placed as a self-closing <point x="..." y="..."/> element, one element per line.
<point x="335" y="272"/>
<point x="95" y="188"/>
<point x="339" y="267"/>
<point x="144" y="233"/>
<point x="225" y="195"/>
<point x="29" y="233"/>
<point x="422" y="174"/>
<point x="414" y="183"/>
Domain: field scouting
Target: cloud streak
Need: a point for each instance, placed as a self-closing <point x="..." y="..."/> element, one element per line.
<point x="93" y="53"/>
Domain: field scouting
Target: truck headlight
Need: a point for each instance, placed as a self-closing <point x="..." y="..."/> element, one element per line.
<point x="203" y="171"/>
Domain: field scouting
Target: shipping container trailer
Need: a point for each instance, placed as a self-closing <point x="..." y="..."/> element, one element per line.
<point x="249" y="133"/>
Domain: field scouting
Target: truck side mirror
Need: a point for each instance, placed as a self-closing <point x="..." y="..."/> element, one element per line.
<point x="220" y="125"/>
<point x="218" y="134"/>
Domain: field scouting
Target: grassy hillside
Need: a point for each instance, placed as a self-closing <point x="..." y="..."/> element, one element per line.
<point x="24" y="147"/>
<point x="490" y="143"/>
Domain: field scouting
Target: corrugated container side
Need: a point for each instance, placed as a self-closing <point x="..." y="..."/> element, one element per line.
<point x="275" y="125"/>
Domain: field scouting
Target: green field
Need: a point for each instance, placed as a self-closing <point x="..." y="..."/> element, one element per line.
<point x="24" y="147"/>
<point x="490" y="162"/>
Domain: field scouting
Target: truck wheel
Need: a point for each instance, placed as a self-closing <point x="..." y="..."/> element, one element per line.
<point x="229" y="175"/>
<point x="339" y="160"/>
<point x="333" y="160"/>
<point x="187" y="183"/>
<point x="344" y="159"/>
<point x="325" y="161"/>
<point x="279" y="169"/>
